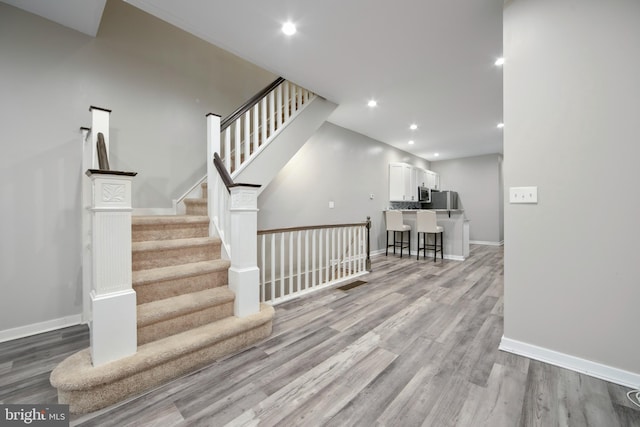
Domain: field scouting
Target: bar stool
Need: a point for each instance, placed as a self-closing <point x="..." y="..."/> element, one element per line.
<point x="426" y="223"/>
<point x="395" y="224"/>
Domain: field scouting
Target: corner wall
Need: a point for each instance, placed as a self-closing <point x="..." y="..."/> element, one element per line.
<point x="572" y="276"/>
<point x="158" y="80"/>
<point x="478" y="183"/>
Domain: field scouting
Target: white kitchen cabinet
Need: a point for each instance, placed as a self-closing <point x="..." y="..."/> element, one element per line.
<point x="401" y="183"/>
<point x="433" y="180"/>
<point x="420" y="178"/>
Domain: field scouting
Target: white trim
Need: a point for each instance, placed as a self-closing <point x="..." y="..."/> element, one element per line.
<point x="486" y="243"/>
<point x="573" y="363"/>
<point x="38" y="328"/>
<point x="153" y="211"/>
<point x="413" y="253"/>
<point x="194" y="189"/>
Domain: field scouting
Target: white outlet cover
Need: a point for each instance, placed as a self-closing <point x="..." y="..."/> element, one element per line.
<point x="523" y="195"/>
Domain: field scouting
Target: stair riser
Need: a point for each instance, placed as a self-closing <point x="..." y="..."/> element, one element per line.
<point x="195" y="207"/>
<point x="92" y="399"/>
<point x="143" y="260"/>
<point x="168" y="232"/>
<point x="205" y="191"/>
<point x="183" y="323"/>
<point x="184" y="285"/>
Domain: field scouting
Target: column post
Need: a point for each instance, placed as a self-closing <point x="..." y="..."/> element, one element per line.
<point x="113" y="328"/>
<point x="244" y="274"/>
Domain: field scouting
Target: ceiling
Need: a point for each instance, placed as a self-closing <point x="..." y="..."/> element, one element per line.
<point x="428" y="62"/>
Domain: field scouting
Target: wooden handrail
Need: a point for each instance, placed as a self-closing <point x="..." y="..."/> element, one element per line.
<point x="103" y="158"/>
<point x="224" y="174"/>
<point x="311" y="227"/>
<point x="249" y="104"/>
<point x="222" y="171"/>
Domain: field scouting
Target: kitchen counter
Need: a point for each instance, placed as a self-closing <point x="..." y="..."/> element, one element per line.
<point x="456" y="231"/>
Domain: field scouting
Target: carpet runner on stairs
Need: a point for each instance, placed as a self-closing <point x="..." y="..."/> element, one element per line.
<point x="184" y="315"/>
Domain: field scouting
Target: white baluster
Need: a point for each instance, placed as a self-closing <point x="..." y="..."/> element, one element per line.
<point x="282" y="275"/>
<point x="227" y="148"/>
<point x="320" y="253"/>
<point x="262" y="266"/>
<point x="256" y="127"/>
<point x="247" y="136"/>
<point x="287" y="101"/>
<point x="298" y="98"/>
<point x="291" y="247"/>
<point x="327" y="260"/>
<point x="313" y="258"/>
<point x="333" y="253"/>
<point x="263" y="120"/>
<point x="272" y="123"/>
<point x="279" y="107"/>
<point x="237" y="140"/>
<point x="292" y="98"/>
<point x="273" y="267"/>
<point x="299" y="262"/>
<point x="306" y="259"/>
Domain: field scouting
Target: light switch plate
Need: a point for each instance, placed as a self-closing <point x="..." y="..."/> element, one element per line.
<point x="331" y="204"/>
<point x="523" y="195"/>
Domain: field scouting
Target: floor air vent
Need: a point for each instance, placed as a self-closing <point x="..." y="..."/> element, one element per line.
<point x="352" y="285"/>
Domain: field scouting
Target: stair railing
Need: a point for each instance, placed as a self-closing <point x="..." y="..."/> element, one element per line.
<point x="254" y="125"/>
<point x="109" y="302"/>
<point x="233" y="208"/>
<point x="299" y="260"/>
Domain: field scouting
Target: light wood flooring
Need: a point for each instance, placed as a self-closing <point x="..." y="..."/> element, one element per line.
<point x="416" y="345"/>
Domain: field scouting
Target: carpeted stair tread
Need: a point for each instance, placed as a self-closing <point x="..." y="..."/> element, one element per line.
<point x="171" y="308"/>
<point x="168" y="219"/>
<point x="162" y="245"/>
<point x="152" y="275"/>
<point x="76" y="372"/>
<point x="196" y="206"/>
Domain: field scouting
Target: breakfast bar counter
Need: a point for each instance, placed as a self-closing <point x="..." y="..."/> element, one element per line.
<point x="456" y="232"/>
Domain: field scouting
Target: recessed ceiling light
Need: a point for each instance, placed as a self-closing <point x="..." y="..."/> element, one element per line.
<point x="436" y="154"/>
<point x="500" y="125"/>
<point x="413" y="126"/>
<point x="499" y="62"/>
<point x="411" y="142"/>
<point x="288" y="28"/>
<point x="372" y="103"/>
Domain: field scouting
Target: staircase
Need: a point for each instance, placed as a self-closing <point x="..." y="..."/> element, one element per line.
<point x="184" y="314"/>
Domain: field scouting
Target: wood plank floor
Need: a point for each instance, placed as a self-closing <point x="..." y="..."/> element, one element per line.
<point x="414" y="346"/>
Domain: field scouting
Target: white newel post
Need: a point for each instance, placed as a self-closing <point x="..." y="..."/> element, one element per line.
<point x="113" y="301"/>
<point x="213" y="146"/>
<point x="244" y="274"/>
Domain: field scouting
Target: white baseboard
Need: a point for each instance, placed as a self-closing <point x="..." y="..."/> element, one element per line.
<point x="38" y="328"/>
<point x="577" y="364"/>
<point x="153" y="211"/>
<point x="413" y="253"/>
<point x="483" y="242"/>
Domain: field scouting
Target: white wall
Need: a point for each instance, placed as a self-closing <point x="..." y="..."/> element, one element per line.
<point x="158" y="80"/>
<point x="336" y="165"/>
<point x="571" y="104"/>
<point x="478" y="183"/>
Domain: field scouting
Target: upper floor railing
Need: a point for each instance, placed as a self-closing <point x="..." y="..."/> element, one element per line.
<point x="251" y="127"/>
<point x="295" y="261"/>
